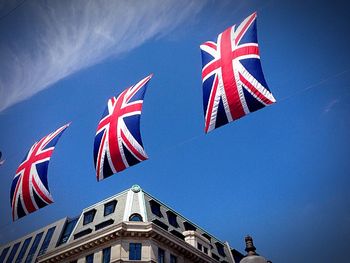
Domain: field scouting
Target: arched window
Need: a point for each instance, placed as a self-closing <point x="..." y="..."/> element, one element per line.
<point x="136" y="218"/>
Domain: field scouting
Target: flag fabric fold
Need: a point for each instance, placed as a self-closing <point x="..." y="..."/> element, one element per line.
<point x="118" y="144"/>
<point x="233" y="81"/>
<point x="30" y="189"/>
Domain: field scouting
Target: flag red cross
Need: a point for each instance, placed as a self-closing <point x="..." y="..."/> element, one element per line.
<point x="34" y="156"/>
<point x="121" y="108"/>
<point x="112" y="121"/>
<point x="228" y="54"/>
<point x="233" y="82"/>
<point x="29" y="190"/>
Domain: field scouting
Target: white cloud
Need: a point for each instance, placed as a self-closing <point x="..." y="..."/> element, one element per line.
<point x="45" y="41"/>
<point x="330" y="105"/>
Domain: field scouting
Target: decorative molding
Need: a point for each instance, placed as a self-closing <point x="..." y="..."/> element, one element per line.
<point x="121" y="231"/>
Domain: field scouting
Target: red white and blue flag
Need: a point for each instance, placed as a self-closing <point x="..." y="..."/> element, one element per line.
<point x="118" y="142"/>
<point x="233" y="80"/>
<point x="30" y="189"/>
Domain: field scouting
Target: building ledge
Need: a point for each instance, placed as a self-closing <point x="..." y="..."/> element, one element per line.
<point x="147" y="230"/>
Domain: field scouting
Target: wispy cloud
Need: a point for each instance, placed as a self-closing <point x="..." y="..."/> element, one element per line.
<point x="330" y="105"/>
<point x="45" y="41"/>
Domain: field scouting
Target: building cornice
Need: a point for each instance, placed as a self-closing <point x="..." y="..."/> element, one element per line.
<point x="146" y="230"/>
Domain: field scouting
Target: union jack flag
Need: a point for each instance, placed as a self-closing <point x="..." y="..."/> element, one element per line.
<point x="30" y="189"/>
<point x="233" y="81"/>
<point x="118" y="142"/>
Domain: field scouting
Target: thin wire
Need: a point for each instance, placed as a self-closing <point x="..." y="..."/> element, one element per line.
<point x="314" y="85"/>
<point x="171" y="148"/>
<point x="186" y="141"/>
<point x="12" y="10"/>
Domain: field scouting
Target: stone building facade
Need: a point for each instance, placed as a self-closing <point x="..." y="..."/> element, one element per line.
<point x="131" y="226"/>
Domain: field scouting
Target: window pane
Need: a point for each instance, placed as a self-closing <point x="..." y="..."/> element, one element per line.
<point x="155" y="207"/>
<point x="161" y="255"/>
<point x="104" y="224"/>
<point x="82" y="233"/>
<point x="106" y="255"/>
<point x="173" y="259"/>
<point x="205" y="250"/>
<point x="109" y="207"/>
<point x="23" y="250"/>
<point x="4" y="254"/>
<point x="207" y="236"/>
<point x="189" y="226"/>
<point x="220" y="249"/>
<point x="46" y="241"/>
<point x="89" y="258"/>
<point x="136" y="218"/>
<point x="172" y="219"/>
<point x="13" y="253"/>
<point x="89" y="216"/>
<point x="68" y="229"/>
<point x="34" y="247"/>
<point x="135" y="251"/>
<point x="214" y="256"/>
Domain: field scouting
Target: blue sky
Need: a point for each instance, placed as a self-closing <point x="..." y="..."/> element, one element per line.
<point x="280" y="174"/>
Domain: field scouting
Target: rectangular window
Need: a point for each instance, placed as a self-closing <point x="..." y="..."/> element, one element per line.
<point x="13" y="252"/>
<point x="177" y="234"/>
<point x="155" y="208"/>
<point x="161" y="255"/>
<point x="89" y="258"/>
<point x="67" y="231"/>
<point x="46" y="241"/>
<point x="207" y="236"/>
<point x="23" y="250"/>
<point x="135" y="251"/>
<point x="106" y="255"/>
<point x="214" y="256"/>
<point x="34" y="247"/>
<point x="4" y="254"/>
<point x="220" y="249"/>
<point x="205" y="249"/>
<point x="104" y="224"/>
<point x="172" y="219"/>
<point x="160" y="223"/>
<point x="189" y="226"/>
<point x="83" y="233"/>
<point x="109" y="207"/>
<point x="199" y="246"/>
<point x="89" y="216"/>
<point x="173" y="259"/>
